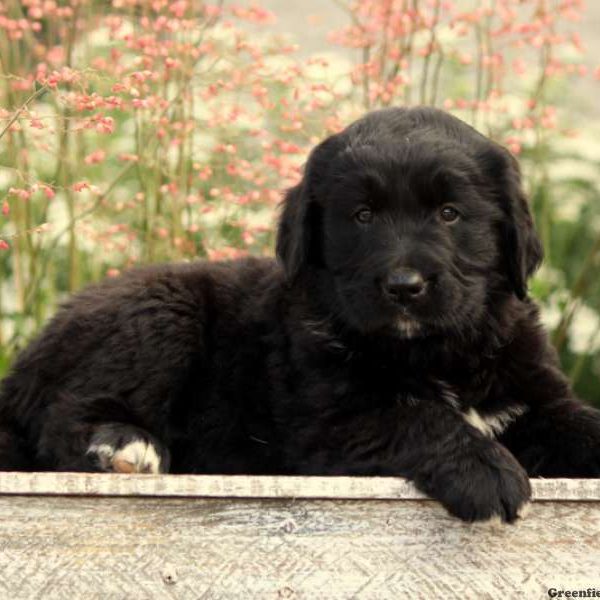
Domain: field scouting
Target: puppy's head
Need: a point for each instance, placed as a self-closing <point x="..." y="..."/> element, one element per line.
<point x="414" y="220"/>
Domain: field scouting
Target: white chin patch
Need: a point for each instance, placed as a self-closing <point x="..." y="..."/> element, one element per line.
<point x="408" y="327"/>
<point x="496" y="423"/>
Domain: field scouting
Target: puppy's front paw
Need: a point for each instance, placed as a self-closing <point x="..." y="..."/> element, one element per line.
<point x="490" y="485"/>
<point x="126" y="449"/>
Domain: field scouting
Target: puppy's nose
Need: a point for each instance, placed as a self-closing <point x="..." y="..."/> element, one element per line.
<point x="405" y="284"/>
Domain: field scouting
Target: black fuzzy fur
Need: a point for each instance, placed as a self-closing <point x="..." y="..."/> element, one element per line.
<point x="305" y="366"/>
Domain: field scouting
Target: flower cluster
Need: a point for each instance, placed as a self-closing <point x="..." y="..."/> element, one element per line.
<point x="144" y="130"/>
<point x="492" y="63"/>
<point x="155" y="130"/>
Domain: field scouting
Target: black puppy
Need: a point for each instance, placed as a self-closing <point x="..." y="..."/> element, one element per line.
<point x="395" y="337"/>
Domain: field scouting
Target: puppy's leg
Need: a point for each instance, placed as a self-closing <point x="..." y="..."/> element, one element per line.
<point x="560" y="438"/>
<point x="473" y="476"/>
<point x="429" y="442"/>
<point x="99" y="434"/>
<point x="126" y="449"/>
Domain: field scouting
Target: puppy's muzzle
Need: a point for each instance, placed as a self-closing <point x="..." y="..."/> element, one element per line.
<point x="405" y="285"/>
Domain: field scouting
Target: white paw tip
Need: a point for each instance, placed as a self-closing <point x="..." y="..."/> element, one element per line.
<point x="138" y="456"/>
<point x="524" y="510"/>
<point x="494" y="523"/>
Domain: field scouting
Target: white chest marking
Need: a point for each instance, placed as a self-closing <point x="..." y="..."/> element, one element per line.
<point x="494" y="424"/>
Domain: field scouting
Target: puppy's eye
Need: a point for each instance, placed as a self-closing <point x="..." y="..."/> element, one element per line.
<point x="449" y="214"/>
<point x="364" y="215"/>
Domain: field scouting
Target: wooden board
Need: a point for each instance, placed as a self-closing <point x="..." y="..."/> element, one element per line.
<point x="66" y="535"/>
<point x="248" y="486"/>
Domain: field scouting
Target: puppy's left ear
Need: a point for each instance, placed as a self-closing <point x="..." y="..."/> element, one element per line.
<point x="521" y="246"/>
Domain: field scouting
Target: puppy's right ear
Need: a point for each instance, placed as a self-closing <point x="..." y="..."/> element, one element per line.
<point x="299" y="235"/>
<point x="293" y="235"/>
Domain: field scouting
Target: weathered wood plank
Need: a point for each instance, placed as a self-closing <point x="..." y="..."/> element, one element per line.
<point x="138" y="548"/>
<point x="77" y="535"/>
<point x="243" y="486"/>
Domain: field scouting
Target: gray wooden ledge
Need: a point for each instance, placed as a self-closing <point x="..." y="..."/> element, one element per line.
<point x="79" y="535"/>
<point x="260" y="486"/>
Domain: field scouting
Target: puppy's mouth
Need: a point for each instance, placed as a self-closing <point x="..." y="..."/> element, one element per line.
<point x="408" y="311"/>
<point x="408" y="327"/>
<point x="407" y="324"/>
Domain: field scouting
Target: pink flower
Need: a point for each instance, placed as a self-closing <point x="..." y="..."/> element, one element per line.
<point x="513" y="144"/>
<point x="105" y="125"/>
<point x="129" y="157"/>
<point x="48" y="191"/>
<point x="519" y="66"/>
<point x="95" y="157"/>
<point x="21" y="193"/>
<point x="248" y="238"/>
<point x="465" y="58"/>
<point x="80" y="186"/>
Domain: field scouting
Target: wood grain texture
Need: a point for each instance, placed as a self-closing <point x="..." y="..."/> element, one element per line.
<point x="244" y="486"/>
<point x="110" y="536"/>
<point x="103" y="548"/>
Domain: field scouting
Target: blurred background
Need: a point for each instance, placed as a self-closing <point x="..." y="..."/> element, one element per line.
<point x="136" y="131"/>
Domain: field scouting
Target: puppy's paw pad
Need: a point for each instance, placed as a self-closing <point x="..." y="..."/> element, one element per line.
<point x="139" y="456"/>
<point x="123" y="449"/>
